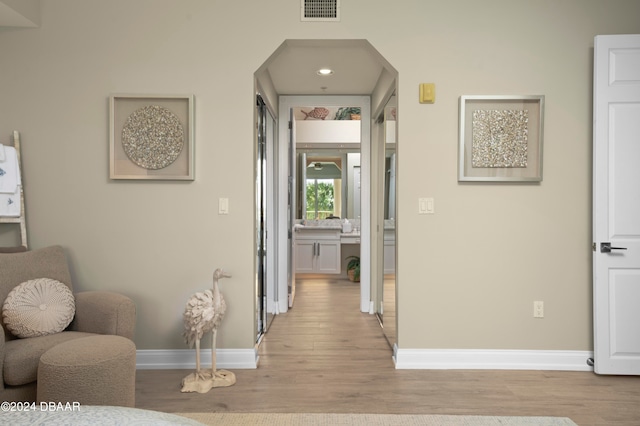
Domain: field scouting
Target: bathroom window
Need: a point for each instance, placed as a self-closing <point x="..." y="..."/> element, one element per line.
<point x="321" y="198"/>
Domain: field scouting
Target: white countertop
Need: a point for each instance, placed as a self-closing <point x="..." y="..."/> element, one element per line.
<point x="299" y="227"/>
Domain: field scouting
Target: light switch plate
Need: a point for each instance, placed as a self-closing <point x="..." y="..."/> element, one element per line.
<point x="426" y="206"/>
<point x="223" y="206"/>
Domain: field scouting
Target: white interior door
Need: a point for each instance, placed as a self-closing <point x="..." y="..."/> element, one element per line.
<point x="616" y="204"/>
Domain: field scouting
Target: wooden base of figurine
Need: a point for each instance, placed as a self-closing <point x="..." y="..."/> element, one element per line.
<point x="204" y="381"/>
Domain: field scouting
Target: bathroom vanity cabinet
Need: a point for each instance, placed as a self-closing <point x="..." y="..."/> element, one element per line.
<point x="317" y="251"/>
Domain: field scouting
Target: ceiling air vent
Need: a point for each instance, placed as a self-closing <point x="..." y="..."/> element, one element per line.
<point x="320" y="10"/>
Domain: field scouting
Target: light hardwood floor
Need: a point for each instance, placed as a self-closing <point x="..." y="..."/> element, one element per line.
<point x="326" y="356"/>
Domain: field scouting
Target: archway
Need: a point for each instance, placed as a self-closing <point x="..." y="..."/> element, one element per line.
<point x="358" y="71"/>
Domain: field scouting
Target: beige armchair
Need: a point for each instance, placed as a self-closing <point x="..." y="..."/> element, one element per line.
<point x="97" y="312"/>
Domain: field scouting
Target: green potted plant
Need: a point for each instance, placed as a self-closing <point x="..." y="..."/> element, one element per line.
<point x="348" y="113"/>
<point x="353" y="268"/>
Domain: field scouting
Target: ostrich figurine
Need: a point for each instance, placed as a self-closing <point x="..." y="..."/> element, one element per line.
<point x="204" y="313"/>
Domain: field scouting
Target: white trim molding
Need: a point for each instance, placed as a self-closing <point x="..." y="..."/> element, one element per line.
<point x="408" y="359"/>
<point x="170" y="359"/>
<point x="483" y="359"/>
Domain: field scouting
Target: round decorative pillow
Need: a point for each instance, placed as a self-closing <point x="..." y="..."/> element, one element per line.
<point x="38" y="307"/>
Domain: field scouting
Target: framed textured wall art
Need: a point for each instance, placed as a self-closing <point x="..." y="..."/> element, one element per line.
<point x="151" y="137"/>
<point x="501" y="138"/>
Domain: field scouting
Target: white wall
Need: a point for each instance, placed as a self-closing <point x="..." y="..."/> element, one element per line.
<point x="467" y="275"/>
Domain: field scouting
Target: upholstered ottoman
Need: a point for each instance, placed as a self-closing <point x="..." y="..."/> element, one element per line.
<point x="95" y="370"/>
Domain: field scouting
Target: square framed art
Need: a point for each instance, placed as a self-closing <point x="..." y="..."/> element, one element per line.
<point x="151" y="137"/>
<point x="501" y="138"/>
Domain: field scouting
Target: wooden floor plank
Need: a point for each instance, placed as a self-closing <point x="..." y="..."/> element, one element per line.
<point x="324" y="355"/>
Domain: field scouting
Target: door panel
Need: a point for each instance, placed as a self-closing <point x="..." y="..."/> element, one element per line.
<point x="625" y="155"/>
<point x="625" y="295"/>
<point x="328" y="257"/>
<point x="616" y="208"/>
<point x="305" y="252"/>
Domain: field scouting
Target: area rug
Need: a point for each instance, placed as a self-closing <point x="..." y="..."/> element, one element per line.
<point x="52" y="414"/>
<point x="308" y="419"/>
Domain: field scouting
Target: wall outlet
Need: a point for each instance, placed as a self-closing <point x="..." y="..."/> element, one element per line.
<point x="538" y="309"/>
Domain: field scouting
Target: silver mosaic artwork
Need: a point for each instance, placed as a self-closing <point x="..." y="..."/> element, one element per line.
<point x="152" y="137"/>
<point x="499" y="138"/>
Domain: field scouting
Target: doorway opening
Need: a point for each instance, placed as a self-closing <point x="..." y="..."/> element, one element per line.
<point x="290" y="78"/>
<point x="310" y="141"/>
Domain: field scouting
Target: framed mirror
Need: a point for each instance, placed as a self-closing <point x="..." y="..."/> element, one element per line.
<point x="388" y="314"/>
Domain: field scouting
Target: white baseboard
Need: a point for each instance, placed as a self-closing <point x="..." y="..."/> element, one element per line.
<point x="168" y="359"/>
<point x="416" y="359"/>
<point x="470" y="359"/>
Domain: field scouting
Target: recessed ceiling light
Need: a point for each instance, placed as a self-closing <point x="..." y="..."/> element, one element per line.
<point x="325" y="71"/>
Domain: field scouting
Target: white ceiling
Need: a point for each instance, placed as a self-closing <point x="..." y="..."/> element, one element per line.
<point x="293" y="67"/>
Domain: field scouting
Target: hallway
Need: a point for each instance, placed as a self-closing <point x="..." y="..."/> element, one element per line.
<point x="325" y="330"/>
